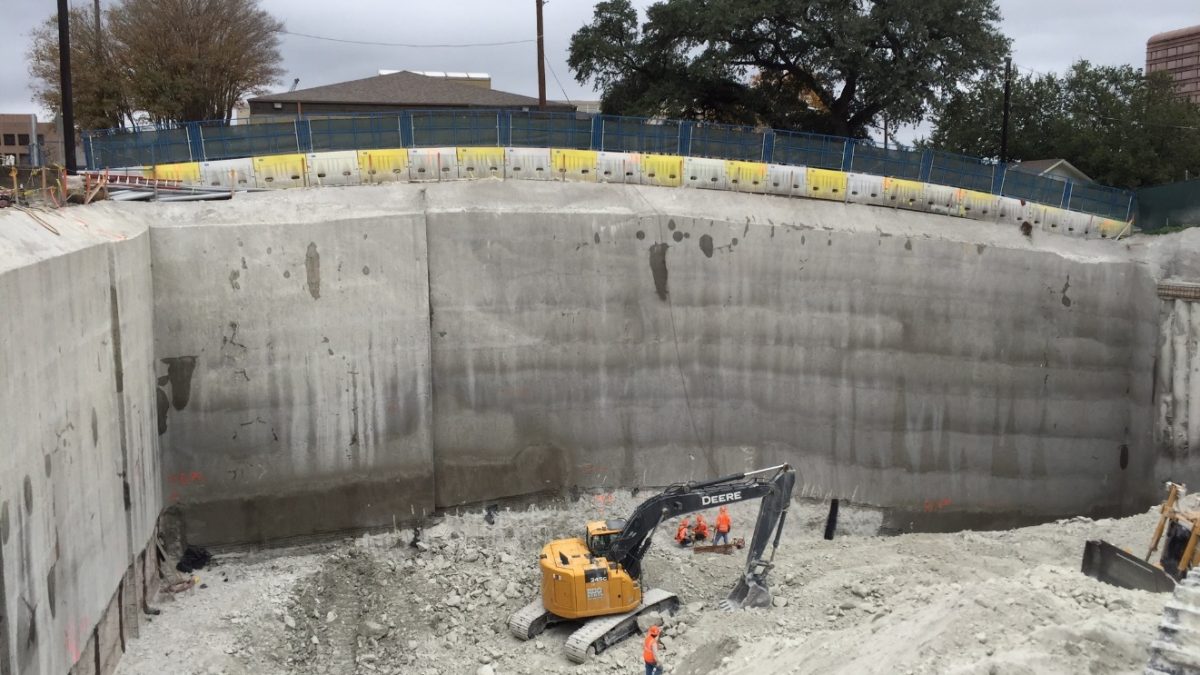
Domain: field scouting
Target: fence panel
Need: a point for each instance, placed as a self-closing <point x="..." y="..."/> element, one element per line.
<point x="447" y="128"/>
<point x="143" y="147"/>
<point x="891" y="163"/>
<point x="722" y="141"/>
<point x="628" y="134"/>
<point x="550" y="130"/>
<point x="961" y="171"/>
<point x="222" y="141"/>
<point x="355" y="132"/>
<point x="811" y="150"/>
<point x="1033" y="188"/>
<point x="1100" y="200"/>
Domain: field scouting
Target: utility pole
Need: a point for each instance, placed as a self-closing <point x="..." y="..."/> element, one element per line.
<point x="64" y="78"/>
<point x="1004" y="121"/>
<point x="541" y="56"/>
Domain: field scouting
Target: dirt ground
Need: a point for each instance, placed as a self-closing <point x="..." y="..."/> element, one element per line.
<point x="971" y="602"/>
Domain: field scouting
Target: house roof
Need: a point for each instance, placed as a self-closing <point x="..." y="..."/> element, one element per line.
<point x="407" y="89"/>
<point x="1041" y="167"/>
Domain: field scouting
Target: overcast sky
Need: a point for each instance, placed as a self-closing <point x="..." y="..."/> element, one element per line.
<point x="1048" y="35"/>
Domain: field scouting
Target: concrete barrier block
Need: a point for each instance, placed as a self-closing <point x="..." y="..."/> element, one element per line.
<point x="746" y="176"/>
<point x="383" y="166"/>
<point x="663" y="170"/>
<point x="978" y="205"/>
<point x="187" y="172"/>
<point x="704" y="173"/>
<point x="228" y="173"/>
<point x="280" y="171"/>
<point x="574" y="165"/>
<point x="527" y="164"/>
<point x="943" y="199"/>
<point x="905" y="194"/>
<point x="788" y="181"/>
<point x="865" y="189"/>
<point x="425" y="164"/>
<point x="826" y="184"/>
<point x="618" y="167"/>
<point x="333" y="168"/>
<point x="480" y="162"/>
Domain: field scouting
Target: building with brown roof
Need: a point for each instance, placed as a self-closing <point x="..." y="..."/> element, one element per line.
<point x="404" y="90"/>
<point x="1177" y="52"/>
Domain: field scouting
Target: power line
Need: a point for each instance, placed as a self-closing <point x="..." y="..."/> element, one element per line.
<point x="405" y="44"/>
<point x="556" y="81"/>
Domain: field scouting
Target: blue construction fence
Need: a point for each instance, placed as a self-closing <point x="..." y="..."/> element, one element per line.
<point x="215" y="140"/>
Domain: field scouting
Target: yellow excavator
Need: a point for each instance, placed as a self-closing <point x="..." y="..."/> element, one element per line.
<point x="1119" y="567"/>
<point x="598" y="579"/>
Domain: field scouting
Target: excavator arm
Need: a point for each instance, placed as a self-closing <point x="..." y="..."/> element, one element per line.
<point x="772" y="485"/>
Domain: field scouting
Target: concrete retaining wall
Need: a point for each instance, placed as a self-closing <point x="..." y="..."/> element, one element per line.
<point x="309" y="361"/>
<point x="79" y="486"/>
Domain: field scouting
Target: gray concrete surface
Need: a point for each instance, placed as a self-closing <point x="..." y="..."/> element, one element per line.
<point x="292" y="342"/>
<point x="307" y="361"/>
<point x="79" y="481"/>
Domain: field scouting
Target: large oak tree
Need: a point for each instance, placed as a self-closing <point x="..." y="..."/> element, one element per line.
<point x="831" y="66"/>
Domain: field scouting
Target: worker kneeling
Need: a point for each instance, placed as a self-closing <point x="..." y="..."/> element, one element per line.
<point x="650" y="652"/>
<point x="724" y="524"/>
<point x="700" y="532"/>
<point x="683" y="536"/>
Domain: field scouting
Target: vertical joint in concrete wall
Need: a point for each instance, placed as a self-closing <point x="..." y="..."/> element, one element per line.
<point x="5" y="654"/>
<point x="119" y="381"/>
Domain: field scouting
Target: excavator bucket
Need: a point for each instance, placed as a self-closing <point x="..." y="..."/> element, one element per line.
<point x="1103" y="561"/>
<point x="748" y="593"/>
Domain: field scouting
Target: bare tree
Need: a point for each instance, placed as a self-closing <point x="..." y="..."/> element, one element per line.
<point x="194" y="59"/>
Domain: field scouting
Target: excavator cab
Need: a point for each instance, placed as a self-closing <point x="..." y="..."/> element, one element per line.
<point x="601" y="534"/>
<point x="1178" y="533"/>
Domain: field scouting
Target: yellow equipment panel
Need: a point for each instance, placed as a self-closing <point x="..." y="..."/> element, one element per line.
<point x="378" y="166"/>
<point x="664" y="170"/>
<point x="746" y="176"/>
<point x="579" y="165"/>
<point x="280" y="171"/>
<point x="480" y="162"/>
<point x="826" y="184"/>
<point x="188" y="172"/>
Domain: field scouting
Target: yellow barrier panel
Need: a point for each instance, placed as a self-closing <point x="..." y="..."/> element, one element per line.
<point x="976" y="204"/>
<point x="826" y="184"/>
<point x="479" y="162"/>
<point x="664" y="170"/>
<point x="377" y="166"/>
<point x="746" y="176"/>
<point x="908" y="194"/>
<point x="1111" y="228"/>
<point x="574" y="164"/>
<point x="188" y="172"/>
<point x="280" y="171"/>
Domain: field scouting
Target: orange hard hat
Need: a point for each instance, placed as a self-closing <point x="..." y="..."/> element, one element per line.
<point x="724" y="508"/>
<point x="654" y="631"/>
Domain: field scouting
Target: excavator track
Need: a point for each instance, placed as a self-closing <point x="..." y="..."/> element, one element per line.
<point x="1176" y="649"/>
<point x="529" y="621"/>
<point x="599" y="634"/>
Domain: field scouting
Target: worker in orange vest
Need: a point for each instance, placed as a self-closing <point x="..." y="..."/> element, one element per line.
<point x="682" y="536"/>
<point x="724" y="524"/>
<point x="650" y="652"/>
<point x="700" y="532"/>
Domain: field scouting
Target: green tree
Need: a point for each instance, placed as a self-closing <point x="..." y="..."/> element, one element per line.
<point x="831" y="66"/>
<point x="99" y="90"/>
<point x="1112" y="122"/>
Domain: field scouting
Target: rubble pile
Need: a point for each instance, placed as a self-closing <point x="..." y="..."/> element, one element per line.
<point x="437" y="600"/>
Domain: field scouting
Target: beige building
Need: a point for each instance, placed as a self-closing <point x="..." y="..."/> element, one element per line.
<point x="1178" y="53"/>
<point x="21" y="136"/>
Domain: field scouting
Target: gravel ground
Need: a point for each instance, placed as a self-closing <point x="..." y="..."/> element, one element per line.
<point x="970" y="602"/>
